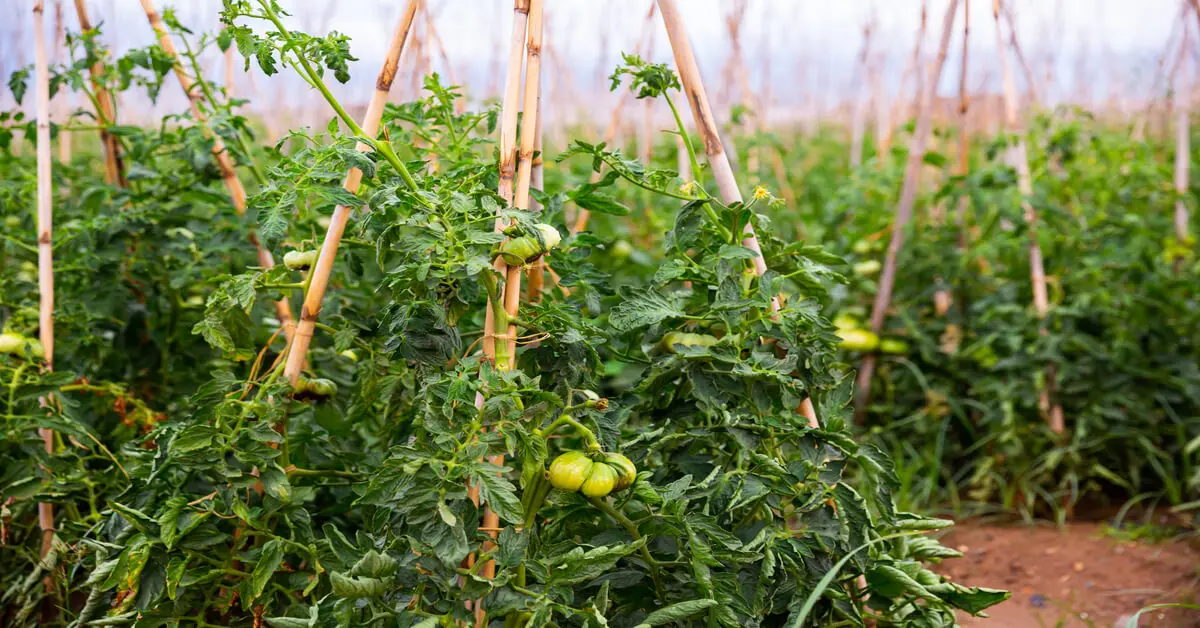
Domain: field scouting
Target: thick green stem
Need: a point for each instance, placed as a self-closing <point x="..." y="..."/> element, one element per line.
<point x="566" y="419"/>
<point x="631" y="528"/>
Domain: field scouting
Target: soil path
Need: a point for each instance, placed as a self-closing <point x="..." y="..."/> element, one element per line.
<point x="1075" y="576"/>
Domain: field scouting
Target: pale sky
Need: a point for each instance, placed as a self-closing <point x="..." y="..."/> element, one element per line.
<point x="807" y="46"/>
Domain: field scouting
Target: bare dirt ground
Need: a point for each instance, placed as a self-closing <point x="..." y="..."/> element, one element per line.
<point x="1075" y="576"/>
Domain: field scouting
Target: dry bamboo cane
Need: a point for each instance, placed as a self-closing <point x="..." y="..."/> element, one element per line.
<point x="63" y="104"/>
<point x="718" y="161"/>
<point x="1031" y="85"/>
<point x="904" y="210"/>
<point x="1019" y="159"/>
<point x="942" y="299"/>
<point x="114" y="168"/>
<point x="233" y="184"/>
<point x="537" y="270"/>
<point x="507" y="169"/>
<point x="610" y="133"/>
<point x="45" y="226"/>
<point x="1182" y="147"/>
<point x="323" y="269"/>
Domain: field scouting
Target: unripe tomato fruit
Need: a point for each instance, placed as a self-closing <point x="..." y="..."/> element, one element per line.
<point x="867" y="268"/>
<point x="626" y="471"/>
<point x="600" y="482"/>
<point x="522" y="250"/>
<point x="569" y="471"/>
<point x="845" y="321"/>
<point x="300" y="260"/>
<point x="314" y="389"/>
<point x="893" y="346"/>
<point x="858" y="339"/>
<point x="688" y="340"/>
<point x="20" y="346"/>
<point x="621" y="249"/>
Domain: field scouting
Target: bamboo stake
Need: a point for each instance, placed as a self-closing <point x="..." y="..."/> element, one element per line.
<point x="904" y="210"/>
<point x="114" y="167"/>
<point x="1032" y="87"/>
<point x="942" y="299"/>
<point x="521" y="25"/>
<point x="610" y="133"/>
<point x="45" y="226"/>
<point x="1019" y="159"/>
<point x="229" y="175"/>
<point x="63" y="105"/>
<point x="537" y="270"/>
<point x="1182" y="145"/>
<point x="323" y="269"/>
<point x="718" y="161"/>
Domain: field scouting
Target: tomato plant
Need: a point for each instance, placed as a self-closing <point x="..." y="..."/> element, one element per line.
<point x="645" y="457"/>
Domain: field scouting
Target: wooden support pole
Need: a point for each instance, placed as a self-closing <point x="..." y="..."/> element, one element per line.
<point x="1018" y="158"/>
<point x="323" y="269"/>
<point x="45" y="228"/>
<point x="718" y="161"/>
<point x="114" y="167"/>
<point x="904" y="210"/>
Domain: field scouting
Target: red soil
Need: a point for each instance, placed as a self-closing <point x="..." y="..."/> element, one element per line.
<point x="1076" y="575"/>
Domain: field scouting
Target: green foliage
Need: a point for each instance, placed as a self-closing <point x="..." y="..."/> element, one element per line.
<point x="194" y="486"/>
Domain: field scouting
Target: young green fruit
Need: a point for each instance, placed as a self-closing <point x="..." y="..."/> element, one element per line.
<point x="626" y="471"/>
<point x="20" y="346"/>
<point x="893" y="346"/>
<point x="300" y="260"/>
<point x="861" y="247"/>
<point x="858" y="339"/>
<point x="600" y="482"/>
<point x="318" y="389"/>
<point x="569" y="471"/>
<point x="621" y="249"/>
<point x="522" y="250"/>
<point x="867" y="268"/>
<point x="688" y="340"/>
<point x="846" y="321"/>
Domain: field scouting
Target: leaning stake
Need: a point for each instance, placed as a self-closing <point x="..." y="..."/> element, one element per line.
<point x="321" y="272"/>
<point x="1019" y="159"/>
<point x="718" y="161"/>
<point x="908" y="197"/>
<point x="114" y="169"/>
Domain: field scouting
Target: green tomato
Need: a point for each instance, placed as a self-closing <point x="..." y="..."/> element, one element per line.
<point x="12" y="222"/>
<point x="621" y="249"/>
<point x="20" y="346"/>
<point x="318" y="389"/>
<point x="626" y="471"/>
<point x="569" y="471"/>
<point x="600" y="482"/>
<point x="671" y="339"/>
<point x="522" y="250"/>
<point x="861" y="247"/>
<point x="867" y="268"/>
<point x="846" y="321"/>
<point x="858" y="339"/>
<point x="300" y="260"/>
<point x="893" y="346"/>
<point x="349" y="354"/>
